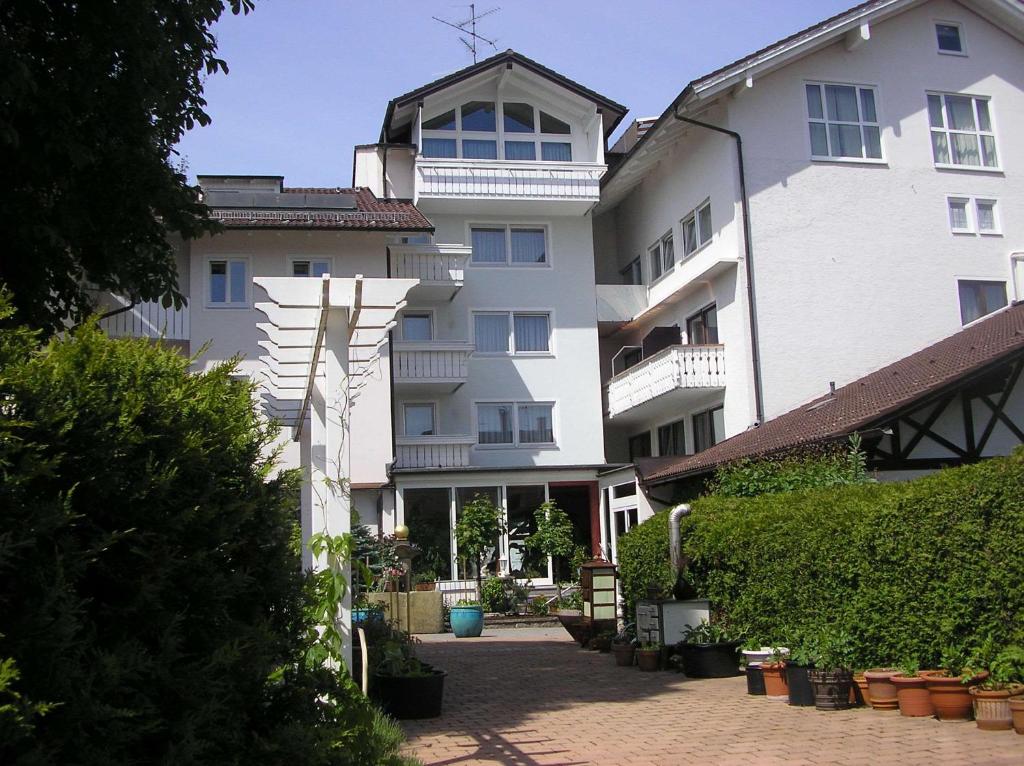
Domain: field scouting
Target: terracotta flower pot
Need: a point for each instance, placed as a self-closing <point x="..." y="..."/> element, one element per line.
<point x="425" y="586"/>
<point x="860" y="689"/>
<point x="648" y="659"/>
<point x="1017" y="713"/>
<point x="881" y="689"/>
<point x="775" y="680"/>
<point x="992" y="708"/>
<point x="912" y="695"/>
<point x="624" y="654"/>
<point x="951" y="696"/>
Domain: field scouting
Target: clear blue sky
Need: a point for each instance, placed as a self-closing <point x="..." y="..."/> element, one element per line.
<point x="310" y="79"/>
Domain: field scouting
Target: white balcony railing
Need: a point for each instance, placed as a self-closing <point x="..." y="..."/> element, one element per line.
<point x="506" y="180"/>
<point x="431" y="362"/>
<point x="440" y="268"/>
<point x="147" y="320"/>
<point x="433" y="451"/>
<point x="676" y="367"/>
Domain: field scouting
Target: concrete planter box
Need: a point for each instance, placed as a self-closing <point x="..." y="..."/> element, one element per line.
<point x="425" y="614"/>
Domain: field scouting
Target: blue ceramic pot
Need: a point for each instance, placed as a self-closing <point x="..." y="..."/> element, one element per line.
<point x="467" y="621"/>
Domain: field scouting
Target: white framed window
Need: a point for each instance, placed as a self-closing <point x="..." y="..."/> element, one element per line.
<point x="418" y="418"/>
<point x="973" y="215"/>
<point x="417" y="325"/>
<point x="227" y="282"/>
<point x="696" y="229"/>
<point x="980" y="297"/>
<point x="949" y="37"/>
<point x="663" y="256"/>
<point x="470" y="131"/>
<point x="654" y="257"/>
<point x="961" y="131"/>
<point x="633" y="274"/>
<point x="512" y="332"/>
<point x="310" y="267"/>
<point x="515" y="424"/>
<point x="519" y="245"/>
<point x="843" y="122"/>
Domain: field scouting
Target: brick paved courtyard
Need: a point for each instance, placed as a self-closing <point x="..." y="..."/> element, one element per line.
<point x="532" y="698"/>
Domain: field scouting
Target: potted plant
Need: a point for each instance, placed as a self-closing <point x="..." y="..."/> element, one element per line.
<point x="774" y="672"/>
<point x="624" y="645"/>
<point x="754" y="653"/>
<point x="476" y="533"/>
<point x="797" y="667"/>
<point x="602" y="642"/>
<point x="949" y="688"/>
<point x="403" y="686"/>
<point x="648" y="656"/>
<point x="830" y="675"/>
<point x="425" y="581"/>
<point x="881" y="689"/>
<point x="912" y="692"/>
<point x="709" y="651"/>
<point x="992" y="696"/>
<point x="553" y="536"/>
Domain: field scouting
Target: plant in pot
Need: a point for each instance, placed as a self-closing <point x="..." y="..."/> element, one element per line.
<point x="949" y="688"/>
<point x="995" y="696"/>
<point x="912" y="692"/>
<point x="624" y="645"/>
<point x="710" y="650"/>
<point x="553" y="536"/>
<point x="774" y="672"/>
<point x="602" y="642"/>
<point x="476" y="535"/>
<point x="405" y="687"/>
<point x="798" y="666"/>
<point x="425" y="580"/>
<point x="830" y="675"/>
<point x="881" y="689"/>
<point x="752" y="659"/>
<point x="648" y="656"/>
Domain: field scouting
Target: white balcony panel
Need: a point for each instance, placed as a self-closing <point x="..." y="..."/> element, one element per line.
<point x="677" y="369"/>
<point x="433" y="451"/>
<point x="431" y="367"/>
<point x="439" y="268"/>
<point x="147" y="320"/>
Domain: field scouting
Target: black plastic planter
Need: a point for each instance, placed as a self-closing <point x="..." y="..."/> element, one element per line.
<point x="755" y="680"/>
<point x="711" y="660"/>
<point x="800" y="692"/>
<point x="831" y="689"/>
<point x="410" y="697"/>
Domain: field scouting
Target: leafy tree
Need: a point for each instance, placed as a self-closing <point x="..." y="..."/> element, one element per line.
<point x="477" y="532"/>
<point x="554" y="536"/>
<point x="93" y="98"/>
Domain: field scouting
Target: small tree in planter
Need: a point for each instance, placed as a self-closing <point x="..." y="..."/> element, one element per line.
<point x="476" y="533"/>
<point x="553" y="536"/>
<point x="830" y="675"/>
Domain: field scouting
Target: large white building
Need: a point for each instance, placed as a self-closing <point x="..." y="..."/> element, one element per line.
<point x="799" y="218"/>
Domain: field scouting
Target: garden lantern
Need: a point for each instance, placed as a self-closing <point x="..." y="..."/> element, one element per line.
<point x="405" y="551"/>
<point x="597" y="586"/>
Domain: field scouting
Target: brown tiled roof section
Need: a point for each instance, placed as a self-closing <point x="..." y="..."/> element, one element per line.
<point x="864" y="403"/>
<point x="371" y="214"/>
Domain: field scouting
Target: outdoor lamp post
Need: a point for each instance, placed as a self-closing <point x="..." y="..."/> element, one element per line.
<point x="597" y="586"/>
<point x="405" y="551"/>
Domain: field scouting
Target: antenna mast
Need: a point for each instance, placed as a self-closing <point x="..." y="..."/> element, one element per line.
<point x="470" y="32"/>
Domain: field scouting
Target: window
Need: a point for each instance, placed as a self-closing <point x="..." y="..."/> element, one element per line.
<point x="696" y="228"/>
<point x="515" y="423"/>
<point x="553" y="125"/>
<point x="556" y="151"/>
<point x="479" y="116"/>
<point x="419" y="419"/>
<point x="444" y="121"/>
<point x="305" y="268"/>
<point x="509" y="245"/>
<point x="228" y="283"/>
<point x="961" y="129"/>
<point x="428" y="515"/>
<point x="640" y="446"/>
<point x="417" y="325"/>
<point x="439" y="147"/>
<point x="702" y="327"/>
<point x="949" y="36"/>
<point x="979" y="298"/>
<point x="475" y="149"/>
<point x="520" y="150"/>
<point x="663" y="256"/>
<point x="518" y="118"/>
<point x="633" y="273"/>
<point x="655" y="255"/>
<point x="496" y="332"/>
<point x="969" y="215"/>
<point x="471" y="132"/>
<point x="672" y="438"/>
<point x="843" y="122"/>
<point x="708" y="428"/>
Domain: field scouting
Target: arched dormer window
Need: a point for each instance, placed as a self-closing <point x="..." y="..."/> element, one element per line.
<point x="511" y="131"/>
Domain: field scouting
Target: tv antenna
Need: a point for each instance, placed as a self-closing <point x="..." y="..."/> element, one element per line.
<point x="468" y="28"/>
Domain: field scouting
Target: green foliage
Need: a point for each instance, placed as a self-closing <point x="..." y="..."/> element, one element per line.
<point x="709" y="633"/>
<point x="150" y="590"/>
<point x="554" y="531"/>
<point x="804" y="469"/>
<point x="1007" y="668"/>
<point x="95" y="97"/>
<point x="493" y="597"/>
<point x="477" y="531"/>
<point x="644" y="560"/>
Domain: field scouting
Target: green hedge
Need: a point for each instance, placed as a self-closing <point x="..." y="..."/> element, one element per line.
<point x="911" y="571"/>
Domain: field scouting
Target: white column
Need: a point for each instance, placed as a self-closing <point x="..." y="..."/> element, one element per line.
<point x="306" y="497"/>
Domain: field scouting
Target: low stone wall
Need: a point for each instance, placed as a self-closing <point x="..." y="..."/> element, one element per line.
<point x="424" y="613"/>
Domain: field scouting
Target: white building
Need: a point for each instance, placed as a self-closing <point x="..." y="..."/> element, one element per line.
<point x="878" y="209"/>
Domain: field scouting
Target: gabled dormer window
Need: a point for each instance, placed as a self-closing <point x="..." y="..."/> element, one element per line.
<point x="471" y="132"/>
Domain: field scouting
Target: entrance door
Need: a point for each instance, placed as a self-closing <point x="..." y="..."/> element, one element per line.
<point x="575" y="500"/>
<point x="522" y="502"/>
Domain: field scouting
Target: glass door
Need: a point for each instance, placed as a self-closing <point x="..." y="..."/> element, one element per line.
<point x="522" y="502"/>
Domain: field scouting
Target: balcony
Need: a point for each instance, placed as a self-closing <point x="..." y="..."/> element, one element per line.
<point x="566" y="188"/>
<point x="431" y="367"/>
<point x="444" y="451"/>
<point x="438" y="267"/>
<point x="147" y="320"/>
<point x="665" y="381"/>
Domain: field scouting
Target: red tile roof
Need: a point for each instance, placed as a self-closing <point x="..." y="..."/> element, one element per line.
<point x="864" y="403"/>
<point x="371" y="214"/>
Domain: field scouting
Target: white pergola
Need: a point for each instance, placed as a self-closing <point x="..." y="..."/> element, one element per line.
<point x="321" y="337"/>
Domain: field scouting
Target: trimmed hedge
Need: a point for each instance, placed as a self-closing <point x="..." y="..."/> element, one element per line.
<point x="912" y="571"/>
